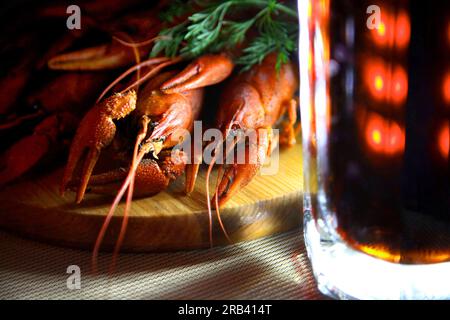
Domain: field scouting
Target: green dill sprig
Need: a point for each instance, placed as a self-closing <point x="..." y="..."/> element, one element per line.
<point x="169" y="41"/>
<point x="211" y="30"/>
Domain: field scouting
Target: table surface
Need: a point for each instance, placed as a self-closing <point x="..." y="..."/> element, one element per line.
<point x="274" y="267"/>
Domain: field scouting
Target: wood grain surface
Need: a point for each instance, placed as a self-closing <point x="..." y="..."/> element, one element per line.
<point x="170" y="220"/>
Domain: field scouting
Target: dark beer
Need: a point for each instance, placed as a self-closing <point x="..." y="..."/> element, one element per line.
<point x="385" y="183"/>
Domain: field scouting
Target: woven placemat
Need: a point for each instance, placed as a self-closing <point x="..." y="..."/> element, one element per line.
<point x="274" y="267"/>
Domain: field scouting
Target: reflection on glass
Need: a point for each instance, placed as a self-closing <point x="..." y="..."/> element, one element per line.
<point x="448" y="32"/>
<point x="443" y="141"/>
<point x="385" y="82"/>
<point x="446" y="89"/>
<point x="381" y="136"/>
<point x="392" y="29"/>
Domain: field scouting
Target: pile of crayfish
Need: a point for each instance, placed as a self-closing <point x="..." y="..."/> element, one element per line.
<point x="113" y="105"/>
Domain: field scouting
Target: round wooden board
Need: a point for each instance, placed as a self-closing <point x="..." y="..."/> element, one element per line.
<point x="170" y="220"/>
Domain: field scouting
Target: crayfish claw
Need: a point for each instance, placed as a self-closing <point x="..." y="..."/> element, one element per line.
<point x="88" y="167"/>
<point x="108" y="56"/>
<point x="95" y="132"/>
<point x="204" y="71"/>
<point x="191" y="176"/>
<point x="239" y="175"/>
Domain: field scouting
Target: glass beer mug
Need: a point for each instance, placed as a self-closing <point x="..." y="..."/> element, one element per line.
<point x="375" y="108"/>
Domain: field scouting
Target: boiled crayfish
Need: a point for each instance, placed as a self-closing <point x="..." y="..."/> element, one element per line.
<point x="252" y="101"/>
<point x="168" y="102"/>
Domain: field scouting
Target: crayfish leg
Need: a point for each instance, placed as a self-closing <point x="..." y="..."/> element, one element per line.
<point x="288" y="131"/>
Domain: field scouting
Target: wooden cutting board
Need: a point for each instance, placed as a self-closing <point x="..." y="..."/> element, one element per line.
<point x="170" y="220"/>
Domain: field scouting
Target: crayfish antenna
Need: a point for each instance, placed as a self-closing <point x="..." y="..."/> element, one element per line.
<point x="105" y="225"/>
<point x="135" y="49"/>
<point x="216" y="198"/>
<point x="208" y="198"/>
<point x="153" y="71"/>
<point x="134" y="164"/>
<point x="127" y="184"/>
<point x="137" y="67"/>
<point x="124" y="225"/>
<point x="216" y="195"/>
<point x="141" y="43"/>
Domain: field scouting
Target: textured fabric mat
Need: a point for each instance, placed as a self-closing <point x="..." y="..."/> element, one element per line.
<point x="270" y="268"/>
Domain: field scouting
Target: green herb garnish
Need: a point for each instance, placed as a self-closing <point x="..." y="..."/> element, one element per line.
<point x="212" y="30"/>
